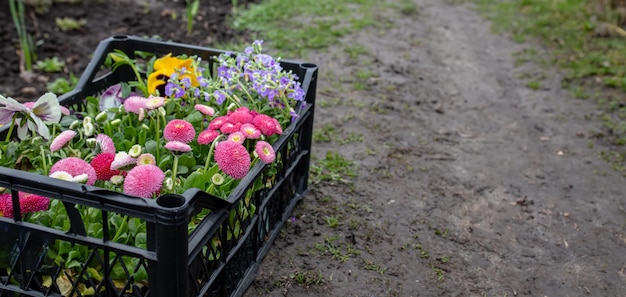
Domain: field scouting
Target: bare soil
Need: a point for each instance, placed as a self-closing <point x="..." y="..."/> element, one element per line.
<point x="468" y="182"/>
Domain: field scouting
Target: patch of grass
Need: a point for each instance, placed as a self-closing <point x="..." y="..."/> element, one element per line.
<point x="370" y="265"/>
<point x="326" y="133"/>
<point x="584" y="38"/>
<point x="338" y="251"/>
<point x="307" y="278"/>
<point x="362" y="76"/>
<point x="333" y="168"/>
<point x="355" y="51"/>
<point x="534" y="85"/>
<point x="332" y="221"/>
<point x="296" y="27"/>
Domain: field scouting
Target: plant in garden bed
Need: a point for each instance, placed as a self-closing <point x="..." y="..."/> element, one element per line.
<point x="177" y="126"/>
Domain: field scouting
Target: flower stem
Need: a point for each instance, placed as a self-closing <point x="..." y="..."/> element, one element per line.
<point x="210" y="154"/>
<point x="174" y="168"/>
<point x="43" y="161"/>
<point x="10" y="129"/>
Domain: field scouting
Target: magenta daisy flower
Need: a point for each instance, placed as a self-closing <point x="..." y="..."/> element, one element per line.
<point x="250" y="131"/>
<point x="105" y="143"/>
<point x="75" y="166"/>
<point x="265" y="151"/>
<point x="237" y="137"/>
<point x="267" y="125"/>
<point x="232" y="158"/>
<point x="207" y="136"/>
<point x="28" y="203"/>
<point x="240" y="116"/>
<point x="217" y="122"/>
<point x="204" y="109"/>
<point x="134" y="104"/>
<point x="177" y="147"/>
<point x="61" y="140"/>
<point x="179" y="130"/>
<point x="144" y="181"/>
<point x="228" y="128"/>
<point x="101" y="163"/>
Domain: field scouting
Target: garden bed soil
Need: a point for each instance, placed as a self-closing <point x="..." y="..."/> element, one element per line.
<point x="467" y="182"/>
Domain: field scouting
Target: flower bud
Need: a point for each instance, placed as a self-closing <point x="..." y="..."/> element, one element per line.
<point x="89" y="129"/>
<point x="87" y="120"/>
<point x="117" y="179"/>
<point x="161" y="111"/>
<point x="101" y="117"/>
<point x="75" y="124"/>
<point x="168" y="184"/>
<point x="91" y="143"/>
<point x="142" y="114"/>
<point x="115" y="123"/>
<point x="135" y="151"/>
<point x="217" y="179"/>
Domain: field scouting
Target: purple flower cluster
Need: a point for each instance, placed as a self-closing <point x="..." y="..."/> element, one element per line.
<point x="263" y="74"/>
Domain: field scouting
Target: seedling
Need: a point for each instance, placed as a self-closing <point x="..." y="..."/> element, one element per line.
<point x="61" y="85"/>
<point x="70" y="24"/>
<point x="50" y="65"/>
<point x="27" y="48"/>
<point x="334" y="168"/>
<point x="192" y="11"/>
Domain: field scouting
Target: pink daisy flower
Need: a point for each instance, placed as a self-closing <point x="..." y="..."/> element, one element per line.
<point x="144" y="181"/>
<point x="242" y="116"/>
<point x="268" y="125"/>
<point x="250" y="131"/>
<point x="75" y="166"/>
<point x="179" y="130"/>
<point x="204" y="109"/>
<point x="228" y="128"/>
<point x="207" y="136"/>
<point x="105" y="143"/>
<point x="101" y="163"/>
<point x="217" y="122"/>
<point x="278" y="129"/>
<point x="265" y="151"/>
<point x="146" y="159"/>
<point x="177" y="147"/>
<point x="61" y="140"/>
<point x="232" y="158"/>
<point x="28" y="203"/>
<point x="237" y="137"/>
<point x="135" y="103"/>
<point x="122" y="160"/>
<point x="154" y="102"/>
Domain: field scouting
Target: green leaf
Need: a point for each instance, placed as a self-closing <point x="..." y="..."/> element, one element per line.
<point x="151" y="147"/>
<point x="73" y="264"/>
<point x="196" y="180"/>
<point x="186" y="160"/>
<point x="182" y="170"/>
<point x="141" y="240"/>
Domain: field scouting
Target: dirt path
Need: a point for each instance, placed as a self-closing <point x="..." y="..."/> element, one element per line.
<point x="469" y="183"/>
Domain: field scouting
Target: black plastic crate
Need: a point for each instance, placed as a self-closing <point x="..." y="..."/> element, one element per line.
<point x="209" y="261"/>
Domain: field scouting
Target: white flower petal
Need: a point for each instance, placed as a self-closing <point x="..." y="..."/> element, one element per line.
<point x="47" y="108"/>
